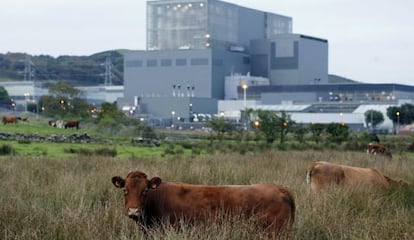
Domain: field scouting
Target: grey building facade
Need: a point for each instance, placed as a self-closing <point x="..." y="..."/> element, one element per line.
<point x="349" y="93"/>
<point x="290" y="59"/>
<point x="193" y="45"/>
<point x="179" y="72"/>
<point x="196" y="43"/>
<point x="201" y="24"/>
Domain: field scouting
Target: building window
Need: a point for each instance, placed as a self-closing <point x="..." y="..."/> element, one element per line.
<point x="152" y="63"/>
<point x="133" y="63"/>
<point x="166" y="62"/>
<point x="199" y="61"/>
<point x="181" y="62"/>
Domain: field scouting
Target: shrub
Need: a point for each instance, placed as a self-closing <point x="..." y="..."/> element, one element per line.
<point x="24" y="141"/>
<point x="106" y="152"/>
<point x="89" y="152"/>
<point x="7" y="149"/>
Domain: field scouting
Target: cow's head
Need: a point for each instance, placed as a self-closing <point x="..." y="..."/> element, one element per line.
<point x="135" y="186"/>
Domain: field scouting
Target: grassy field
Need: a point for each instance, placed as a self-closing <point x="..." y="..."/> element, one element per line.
<point x="122" y="145"/>
<point x="73" y="198"/>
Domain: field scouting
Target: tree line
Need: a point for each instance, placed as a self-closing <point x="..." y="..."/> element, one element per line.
<point x="75" y="70"/>
<point x="272" y="126"/>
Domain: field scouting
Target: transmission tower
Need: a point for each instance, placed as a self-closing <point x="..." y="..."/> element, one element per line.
<point x="108" y="72"/>
<point x="28" y="71"/>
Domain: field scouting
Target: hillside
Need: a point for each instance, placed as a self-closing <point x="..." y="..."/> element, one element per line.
<point x="76" y="70"/>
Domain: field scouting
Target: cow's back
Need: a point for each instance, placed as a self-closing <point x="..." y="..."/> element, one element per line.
<point x="270" y="204"/>
<point x="322" y="174"/>
<point x="361" y="176"/>
<point x="9" y="119"/>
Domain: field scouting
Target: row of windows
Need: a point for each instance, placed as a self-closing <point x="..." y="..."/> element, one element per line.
<point x="167" y="62"/>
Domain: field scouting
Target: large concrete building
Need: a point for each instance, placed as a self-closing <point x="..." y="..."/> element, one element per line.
<point x="195" y="44"/>
<point x="290" y="59"/>
<point x="213" y="57"/>
<point x="192" y="46"/>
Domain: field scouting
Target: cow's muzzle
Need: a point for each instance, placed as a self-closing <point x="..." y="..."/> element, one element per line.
<point x="134" y="213"/>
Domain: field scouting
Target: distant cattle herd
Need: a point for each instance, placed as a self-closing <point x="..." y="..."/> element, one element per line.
<point x="64" y="124"/>
<point x="13" y="119"/>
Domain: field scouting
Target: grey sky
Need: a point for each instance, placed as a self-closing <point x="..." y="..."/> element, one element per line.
<point x="369" y="40"/>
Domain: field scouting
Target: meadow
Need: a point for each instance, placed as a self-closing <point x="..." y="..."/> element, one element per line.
<point x="72" y="197"/>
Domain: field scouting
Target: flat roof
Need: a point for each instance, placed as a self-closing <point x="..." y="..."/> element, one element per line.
<point x="329" y="87"/>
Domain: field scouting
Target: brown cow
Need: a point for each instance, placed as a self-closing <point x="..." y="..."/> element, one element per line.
<point x="150" y="201"/>
<point x="72" y="124"/>
<point x="375" y="148"/>
<point x="323" y="174"/>
<point x="9" y="119"/>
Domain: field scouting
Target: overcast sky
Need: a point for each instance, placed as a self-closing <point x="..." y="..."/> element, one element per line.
<point x="370" y="41"/>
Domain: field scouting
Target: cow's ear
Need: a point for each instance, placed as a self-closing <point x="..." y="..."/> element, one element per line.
<point x="154" y="182"/>
<point x="118" y="182"/>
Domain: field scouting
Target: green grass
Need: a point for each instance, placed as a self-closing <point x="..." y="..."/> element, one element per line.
<point x="73" y="198"/>
<point x="59" y="150"/>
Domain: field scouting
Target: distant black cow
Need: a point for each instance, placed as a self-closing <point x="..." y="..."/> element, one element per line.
<point x="72" y="124"/>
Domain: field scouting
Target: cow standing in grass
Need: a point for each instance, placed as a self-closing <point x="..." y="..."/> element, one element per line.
<point x="57" y="123"/>
<point x="72" y="124"/>
<point x="9" y="119"/>
<point x="323" y="174"/>
<point x="149" y="201"/>
<point x="378" y="149"/>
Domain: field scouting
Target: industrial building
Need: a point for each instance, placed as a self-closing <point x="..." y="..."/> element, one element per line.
<point x="209" y="57"/>
<point x="192" y="46"/>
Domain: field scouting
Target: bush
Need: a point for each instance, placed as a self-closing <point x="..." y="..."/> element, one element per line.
<point x="24" y="141"/>
<point x="7" y="149"/>
<point x="106" y="152"/>
<point x="97" y="152"/>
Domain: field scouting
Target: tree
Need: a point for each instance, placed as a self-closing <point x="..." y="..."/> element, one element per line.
<point x="401" y="115"/>
<point x="373" y="118"/>
<point x="316" y="129"/>
<point x="267" y="125"/>
<point x="4" y="95"/>
<point x="112" y="120"/>
<point x="338" y="132"/>
<point x="5" y="100"/>
<point x="220" y="127"/>
<point x="65" y="90"/>
<point x="285" y="125"/>
<point x="64" y="101"/>
<point x="407" y="113"/>
<point x="300" y="131"/>
<point x="392" y="113"/>
<point x="110" y="110"/>
<point x="273" y="124"/>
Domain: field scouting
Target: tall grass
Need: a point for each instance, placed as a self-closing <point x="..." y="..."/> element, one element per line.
<point x="44" y="198"/>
